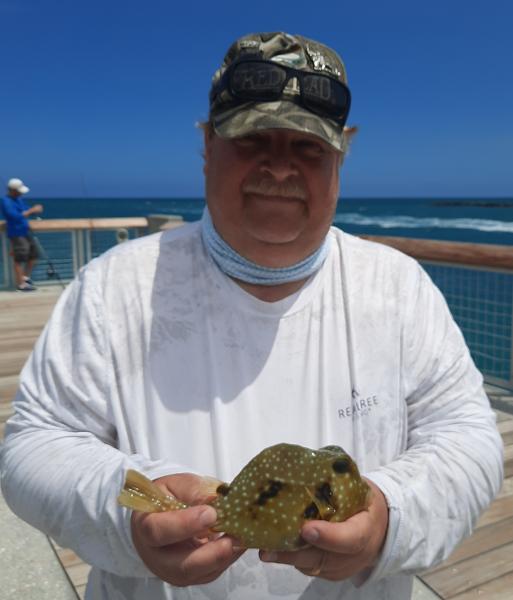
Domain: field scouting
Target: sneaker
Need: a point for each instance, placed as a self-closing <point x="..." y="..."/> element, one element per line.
<point x="26" y="288"/>
<point x="28" y="280"/>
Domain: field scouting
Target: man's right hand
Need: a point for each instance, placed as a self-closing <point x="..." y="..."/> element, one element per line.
<point x="174" y="544"/>
<point x="34" y="210"/>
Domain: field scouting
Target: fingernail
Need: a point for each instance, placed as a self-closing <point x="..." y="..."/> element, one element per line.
<point x="268" y="556"/>
<point x="310" y="535"/>
<point x="237" y="545"/>
<point x="207" y="517"/>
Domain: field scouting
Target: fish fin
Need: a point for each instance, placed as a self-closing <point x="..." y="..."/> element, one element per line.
<point x="140" y="493"/>
<point x="208" y="488"/>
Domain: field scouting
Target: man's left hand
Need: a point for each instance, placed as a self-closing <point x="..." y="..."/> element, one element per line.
<point x="340" y="550"/>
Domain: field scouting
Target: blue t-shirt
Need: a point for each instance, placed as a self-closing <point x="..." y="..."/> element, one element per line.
<point x="12" y="210"/>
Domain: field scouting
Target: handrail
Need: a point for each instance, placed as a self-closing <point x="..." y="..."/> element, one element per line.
<point x="462" y="253"/>
<point x="84" y="224"/>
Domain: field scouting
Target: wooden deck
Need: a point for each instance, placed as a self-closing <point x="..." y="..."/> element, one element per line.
<point x="481" y="567"/>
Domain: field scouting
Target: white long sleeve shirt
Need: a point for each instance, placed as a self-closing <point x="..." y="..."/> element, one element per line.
<point x="153" y="359"/>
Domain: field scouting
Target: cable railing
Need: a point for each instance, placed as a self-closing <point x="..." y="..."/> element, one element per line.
<point x="477" y="283"/>
<point x="476" y="279"/>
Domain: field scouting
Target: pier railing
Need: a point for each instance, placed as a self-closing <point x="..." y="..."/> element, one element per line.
<point x="68" y="244"/>
<point x="477" y="283"/>
<point x="476" y="279"/>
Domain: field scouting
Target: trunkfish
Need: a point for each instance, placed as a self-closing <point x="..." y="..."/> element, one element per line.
<point x="268" y="502"/>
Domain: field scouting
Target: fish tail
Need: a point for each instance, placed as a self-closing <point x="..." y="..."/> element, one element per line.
<point x="140" y="493"/>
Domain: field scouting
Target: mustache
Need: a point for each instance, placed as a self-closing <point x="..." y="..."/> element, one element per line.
<point x="289" y="188"/>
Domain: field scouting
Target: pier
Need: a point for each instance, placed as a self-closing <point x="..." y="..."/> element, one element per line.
<point x="481" y="567"/>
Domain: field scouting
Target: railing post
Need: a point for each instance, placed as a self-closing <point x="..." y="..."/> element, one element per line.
<point x="7" y="270"/>
<point x="511" y="349"/>
<point x="75" y="246"/>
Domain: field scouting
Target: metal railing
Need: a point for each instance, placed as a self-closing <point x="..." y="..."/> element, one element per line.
<point x="68" y="244"/>
<point x="477" y="283"/>
<point x="476" y="279"/>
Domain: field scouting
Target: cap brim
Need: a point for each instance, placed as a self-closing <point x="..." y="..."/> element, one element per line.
<point x="282" y="114"/>
<point x="21" y="189"/>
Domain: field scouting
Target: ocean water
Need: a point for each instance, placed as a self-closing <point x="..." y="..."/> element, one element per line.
<point x="486" y="221"/>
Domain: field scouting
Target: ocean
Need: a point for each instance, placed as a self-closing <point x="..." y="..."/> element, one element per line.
<point x="477" y="220"/>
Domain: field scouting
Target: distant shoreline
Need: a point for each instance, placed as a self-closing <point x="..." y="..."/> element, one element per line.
<point x="479" y="203"/>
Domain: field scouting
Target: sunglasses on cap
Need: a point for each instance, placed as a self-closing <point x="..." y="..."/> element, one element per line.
<point x="254" y="80"/>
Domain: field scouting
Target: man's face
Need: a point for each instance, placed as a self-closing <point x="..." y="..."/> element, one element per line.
<point x="272" y="194"/>
<point x="13" y="193"/>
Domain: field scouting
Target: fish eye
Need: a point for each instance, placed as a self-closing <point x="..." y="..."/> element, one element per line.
<point x="223" y="489"/>
<point x="341" y="465"/>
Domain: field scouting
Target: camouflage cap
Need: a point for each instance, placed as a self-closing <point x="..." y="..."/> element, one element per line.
<point x="293" y="51"/>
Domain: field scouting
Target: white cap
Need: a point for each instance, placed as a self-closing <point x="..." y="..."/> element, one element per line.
<point x="17" y="185"/>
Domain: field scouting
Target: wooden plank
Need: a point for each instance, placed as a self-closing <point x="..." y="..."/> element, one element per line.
<point x="500" y="588"/>
<point x="484" y="539"/>
<point x="508" y="461"/>
<point x="471" y="573"/>
<point x="507" y="487"/>
<point x="7" y="383"/>
<point x="12" y="362"/>
<point x="6" y="410"/>
<point x="25" y="344"/>
<point x="504" y="421"/>
<point x="505" y="428"/>
<point x="507" y="438"/>
<point x="499" y="510"/>
<point x="503" y="416"/>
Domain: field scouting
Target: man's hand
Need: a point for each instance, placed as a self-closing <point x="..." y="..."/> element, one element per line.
<point x="174" y="545"/>
<point x="34" y="210"/>
<point x="340" y="550"/>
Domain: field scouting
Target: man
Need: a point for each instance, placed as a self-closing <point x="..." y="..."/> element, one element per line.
<point x="23" y="246"/>
<point x="258" y="325"/>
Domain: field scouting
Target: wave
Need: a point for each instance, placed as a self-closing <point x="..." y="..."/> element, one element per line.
<point x="407" y="222"/>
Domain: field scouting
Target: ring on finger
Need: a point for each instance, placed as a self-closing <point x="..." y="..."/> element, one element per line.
<point x="317" y="570"/>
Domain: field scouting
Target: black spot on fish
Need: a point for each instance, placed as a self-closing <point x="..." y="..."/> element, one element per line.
<point x="341" y="465"/>
<point x="324" y="493"/>
<point x="223" y="489"/>
<point x="311" y="511"/>
<point x="272" y="490"/>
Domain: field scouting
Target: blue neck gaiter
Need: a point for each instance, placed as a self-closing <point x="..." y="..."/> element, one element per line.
<point x="235" y="265"/>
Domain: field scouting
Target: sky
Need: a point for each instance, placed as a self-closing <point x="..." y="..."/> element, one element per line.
<point x="101" y="98"/>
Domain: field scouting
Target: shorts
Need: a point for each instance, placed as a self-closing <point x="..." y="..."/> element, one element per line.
<point x="24" y="249"/>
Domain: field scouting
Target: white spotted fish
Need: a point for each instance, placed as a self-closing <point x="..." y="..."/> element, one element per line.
<point x="268" y="502"/>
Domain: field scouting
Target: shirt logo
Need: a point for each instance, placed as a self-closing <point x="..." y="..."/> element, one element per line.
<point x="360" y="406"/>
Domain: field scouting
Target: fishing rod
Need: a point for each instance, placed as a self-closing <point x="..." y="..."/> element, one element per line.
<point x="51" y="271"/>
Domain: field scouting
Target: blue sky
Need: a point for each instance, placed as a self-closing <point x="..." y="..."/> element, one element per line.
<point x="100" y="98"/>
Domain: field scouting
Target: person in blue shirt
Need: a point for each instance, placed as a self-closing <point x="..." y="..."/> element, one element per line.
<point x="23" y="246"/>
